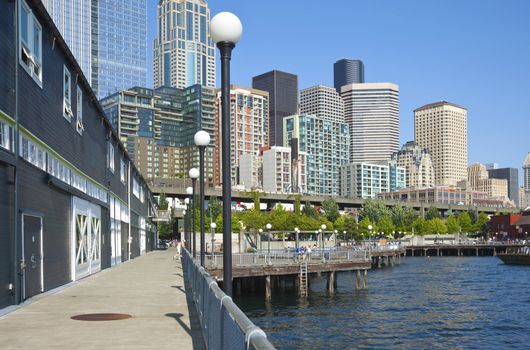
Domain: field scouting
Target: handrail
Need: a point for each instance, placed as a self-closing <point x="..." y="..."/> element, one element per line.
<point x="224" y="326"/>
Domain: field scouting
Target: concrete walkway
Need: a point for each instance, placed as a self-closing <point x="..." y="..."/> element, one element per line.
<point x="150" y="289"/>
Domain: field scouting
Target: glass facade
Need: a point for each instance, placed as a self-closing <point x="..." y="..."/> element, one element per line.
<point x="347" y="71"/>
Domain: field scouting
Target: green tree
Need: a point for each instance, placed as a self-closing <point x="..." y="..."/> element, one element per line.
<point x="436" y="226"/>
<point x="165" y="229"/>
<point x="432" y="213"/>
<point x="215" y="208"/>
<point x="419" y="226"/>
<point x="398" y="217"/>
<point x="279" y="219"/>
<point x="464" y="220"/>
<point x="364" y="232"/>
<point x="385" y="225"/>
<point x="331" y="209"/>
<point x="373" y="209"/>
<point x="297" y="203"/>
<point x="482" y="221"/>
<point x="452" y="225"/>
<point x="410" y="214"/>
<point x="309" y="210"/>
<point x="253" y="219"/>
<point x="163" y="204"/>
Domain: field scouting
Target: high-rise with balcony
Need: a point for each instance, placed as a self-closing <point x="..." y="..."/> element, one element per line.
<point x="157" y="127"/>
<point x="283" y="100"/>
<point x="325" y="144"/>
<point x="526" y="172"/>
<point x="322" y="101"/>
<point x="248" y="116"/>
<point x="183" y="51"/>
<point x="346" y="71"/>
<point x="365" y="180"/>
<point x="371" y="111"/>
<point x="108" y="38"/>
<point x="441" y="127"/>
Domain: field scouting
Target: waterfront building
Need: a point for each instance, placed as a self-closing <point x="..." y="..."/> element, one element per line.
<point x="365" y="180"/>
<point x="372" y="114"/>
<point x="283" y="101"/>
<point x="325" y="145"/>
<point x="511" y="175"/>
<point x="323" y="102"/>
<point x="526" y="173"/>
<point x="347" y="71"/>
<point x="248" y="132"/>
<point x="278" y="170"/>
<point x="441" y="127"/>
<point x="443" y="195"/>
<point x="108" y="38"/>
<point x="71" y="200"/>
<point x="158" y="125"/>
<point x="478" y="180"/>
<point x="183" y="51"/>
<point x="417" y="162"/>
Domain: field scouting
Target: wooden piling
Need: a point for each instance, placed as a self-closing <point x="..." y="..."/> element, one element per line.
<point x="331" y="282"/>
<point x="358" y="280"/>
<point x="268" y="292"/>
<point x="365" y="280"/>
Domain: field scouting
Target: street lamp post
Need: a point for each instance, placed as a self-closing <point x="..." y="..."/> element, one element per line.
<point x="297" y="237"/>
<point x="260" y="241"/>
<point x="268" y="226"/>
<point x="370" y="233"/>
<point x="202" y="139"/>
<point x="189" y="191"/>
<point x="226" y="30"/>
<point x="185" y="224"/>
<point x="335" y="237"/>
<point x="194" y="174"/>
<point x="213" y="226"/>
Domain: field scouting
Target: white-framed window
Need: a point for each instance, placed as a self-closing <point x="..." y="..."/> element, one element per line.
<point x="142" y="195"/>
<point x="136" y="188"/>
<point x="123" y="170"/>
<point x="67" y="94"/>
<point x="33" y="153"/>
<point x="6" y="136"/>
<point x="110" y="156"/>
<point x="79" y="111"/>
<point x="30" y="40"/>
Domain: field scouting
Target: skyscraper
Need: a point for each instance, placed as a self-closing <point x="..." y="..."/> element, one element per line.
<point x="478" y="179"/>
<point x="512" y="176"/>
<point x="248" y="116"/>
<point x="283" y="100"/>
<point x="526" y="171"/>
<point x="108" y="39"/>
<point x="74" y="20"/>
<point x="418" y="164"/>
<point x="372" y="112"/>
<point x="322" y="101"/>
<point x="121" y="56"/>
<point x="325" y="145"/>
<point x="183" y="51"/>
<point x="441" y="127"/>
<point x="365" y="180"/>
<point x="346" y="71"/>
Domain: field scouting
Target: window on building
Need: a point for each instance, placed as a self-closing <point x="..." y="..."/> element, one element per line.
<point x="6" y="136"/>
<point x="79" y="112"/>
<point x="123" y="170"/>
<point x="136" y="188"/>
<point x="110" y="156"/>
<point x="30" y="55"/>
<point x="67" y="94"/>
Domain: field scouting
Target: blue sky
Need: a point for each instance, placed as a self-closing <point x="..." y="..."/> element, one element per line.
<point x="475" y="53"/>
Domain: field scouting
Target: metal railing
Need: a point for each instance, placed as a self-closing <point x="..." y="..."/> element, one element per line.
<point x="261" y="258"/>
<point x="224" y="326"/>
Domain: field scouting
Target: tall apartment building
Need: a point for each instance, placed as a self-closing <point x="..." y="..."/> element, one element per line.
<point x="417" y="162"/>
<point x="183" y="51"/>
<point x="346" y="71"/>
<point x="524" y="198"/>
<point x="441" y="127"/>
<point x="322" y="101"/>
<point x="372" y="112"/>
<point x="365" y="180"/>
<point x="157" y="127"/>
<point x="325" y="144"/>
<point x="278" y="170"/>
<point x="511" y="175"/>
<point x="478" y="180"/>
<point x="283" y="100"/>
<point x="248" y="132"/>
<point x="108" y="38"/>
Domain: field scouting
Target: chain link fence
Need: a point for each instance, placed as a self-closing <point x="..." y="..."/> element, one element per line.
<point x="224" y="326"/>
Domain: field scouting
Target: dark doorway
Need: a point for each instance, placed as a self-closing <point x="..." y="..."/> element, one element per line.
<point x="32" y="233"/>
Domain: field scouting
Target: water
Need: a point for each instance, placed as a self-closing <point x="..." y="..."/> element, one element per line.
<point x="437" y="303"/>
